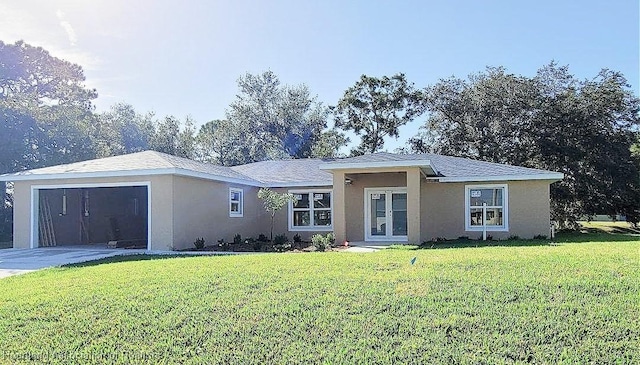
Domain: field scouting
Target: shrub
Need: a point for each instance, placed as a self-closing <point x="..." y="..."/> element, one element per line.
<point x="280" y="239"/>
<point x="297" y="238"/>
<point x="463" y="238"/>
<point x="322" y="243"/>
<point x="513" y="237"/>
<point x="282" y="247"/>
<point x="237" y="239"/>
<point x="539" y="237"/>
<point x="262" y="238"/>
<point x="257" y="245"/>
<point x="199" y="243"/>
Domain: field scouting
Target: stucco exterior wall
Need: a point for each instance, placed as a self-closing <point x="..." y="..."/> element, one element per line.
<point x="201" y="209"/>
<point x="161" y="206"/>
<point x="443" y="210"/>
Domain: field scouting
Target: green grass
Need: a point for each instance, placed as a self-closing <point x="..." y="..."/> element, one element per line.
<point x="564" y="303"/>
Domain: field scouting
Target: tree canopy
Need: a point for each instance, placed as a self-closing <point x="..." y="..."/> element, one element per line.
<point x="583" y="128"/>
<point x="375" y="108"/>
<point x="269" y="121"/>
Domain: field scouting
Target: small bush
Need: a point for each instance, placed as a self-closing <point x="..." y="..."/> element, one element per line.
<point x="513" y="237"/>
<point x="539" y="237"/>
<point x="297" y="238"/>
<point x="282" y="247"/>
<point x="332" y="238"/>
<point x="263" y="238"/>
<point x="464" y="238"/>
<point x="489" y="237"/>
<point x="199" y="243"/>
<point x="237" y="239"/>
<point x="280" y="239"/>
<point x="322" y="243"/>
<point x="257" y="246"/>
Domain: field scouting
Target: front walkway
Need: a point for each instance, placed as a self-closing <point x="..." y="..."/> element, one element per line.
<point x="15" y="261"/>
<point x="368" y="246"/>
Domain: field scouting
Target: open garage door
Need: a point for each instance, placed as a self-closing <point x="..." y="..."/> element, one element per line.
<point x="93" y="216"/>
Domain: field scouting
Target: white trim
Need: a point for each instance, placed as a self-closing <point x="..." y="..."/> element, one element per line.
<point x="547" y="176"/>
<point x="367" y="215"/>
<point x="240" y="212"/>
<point x="165" y="171"/>
<point x="301" y="184"/>
<point x="505" y="208"/>
<point x="35" y="206"/>
<point x="24" y="176"/>
<point x="290" y="211"/>
<point x="373" y="164"/>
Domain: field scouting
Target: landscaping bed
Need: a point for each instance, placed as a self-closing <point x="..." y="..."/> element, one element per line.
<point x="280" y="243"/>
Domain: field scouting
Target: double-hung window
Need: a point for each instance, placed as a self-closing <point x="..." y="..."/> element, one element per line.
<point x="236" y="199"/>
<point x="310" y="210"/>
<point x="491" y="199"/>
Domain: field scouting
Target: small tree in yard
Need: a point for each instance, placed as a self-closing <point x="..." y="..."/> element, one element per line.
<point x="273" y="202"/>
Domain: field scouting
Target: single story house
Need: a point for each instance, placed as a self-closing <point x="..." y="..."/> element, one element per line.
<point x="167" y="202"/>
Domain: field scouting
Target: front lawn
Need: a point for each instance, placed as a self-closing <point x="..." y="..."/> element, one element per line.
<point x="570" y="302"/>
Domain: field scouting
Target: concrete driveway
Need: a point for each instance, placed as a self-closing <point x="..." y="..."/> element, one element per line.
<point x="19" y="261"/>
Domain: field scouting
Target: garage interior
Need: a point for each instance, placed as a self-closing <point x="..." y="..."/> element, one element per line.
<point x="115" y="217"/>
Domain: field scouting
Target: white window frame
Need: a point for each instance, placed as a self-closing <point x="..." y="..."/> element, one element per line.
<point x="311" y="211"/>
<point x="240" y="212"/>
<point x="505" y="207"/>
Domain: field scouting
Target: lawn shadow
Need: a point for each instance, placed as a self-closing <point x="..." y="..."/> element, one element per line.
<point x="561" y="238"/>
<point x="467" y="243"/>
<point x="124" y="258"/>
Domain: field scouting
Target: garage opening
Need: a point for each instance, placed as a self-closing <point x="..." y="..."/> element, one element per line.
<point x="115" y="217"/>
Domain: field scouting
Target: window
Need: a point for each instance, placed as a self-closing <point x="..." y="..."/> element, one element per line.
<point x="495" y="197"/>
<point x="310" y="211"/>
<point x="235" y="202"/>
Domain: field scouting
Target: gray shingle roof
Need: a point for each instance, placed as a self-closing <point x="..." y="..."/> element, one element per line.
<point x="445" y="166"/>
<point x="302" y="172"/>
<point x="146" y="161"/>
<point x="288" y="172"/>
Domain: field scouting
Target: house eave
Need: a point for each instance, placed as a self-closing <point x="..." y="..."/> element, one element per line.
<point x="553" y="176"/>
<point x="296" y="184"/>
<point x="125" y="173"/>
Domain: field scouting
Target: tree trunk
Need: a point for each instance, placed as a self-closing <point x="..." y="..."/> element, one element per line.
<point x="272" y="214"/>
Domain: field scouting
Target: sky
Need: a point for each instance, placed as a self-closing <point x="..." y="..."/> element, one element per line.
<point x="184" y="57"/>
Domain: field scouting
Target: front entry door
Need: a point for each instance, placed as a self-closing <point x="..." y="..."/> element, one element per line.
<point x="385" y="215"/>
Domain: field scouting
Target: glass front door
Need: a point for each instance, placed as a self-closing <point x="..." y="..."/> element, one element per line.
<point x="386" y="217"/>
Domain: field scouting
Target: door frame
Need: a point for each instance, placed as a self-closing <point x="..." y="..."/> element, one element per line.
<point x="367" y="214"/>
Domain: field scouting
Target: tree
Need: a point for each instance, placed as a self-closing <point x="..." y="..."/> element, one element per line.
<point x="375" y="108"/>
<point x="122" y="130"/>
<point x="329" y="144"/>
<point x="270" y="121"/>
<point x="172" y="138"/>
<point x="583" y="128"/>
<point x="221" y="143"/>
<point x="46" y="108"/>
<point x="273" y="202"/>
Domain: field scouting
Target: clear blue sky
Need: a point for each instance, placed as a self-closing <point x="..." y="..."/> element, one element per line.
<point x="184" y="57"/>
